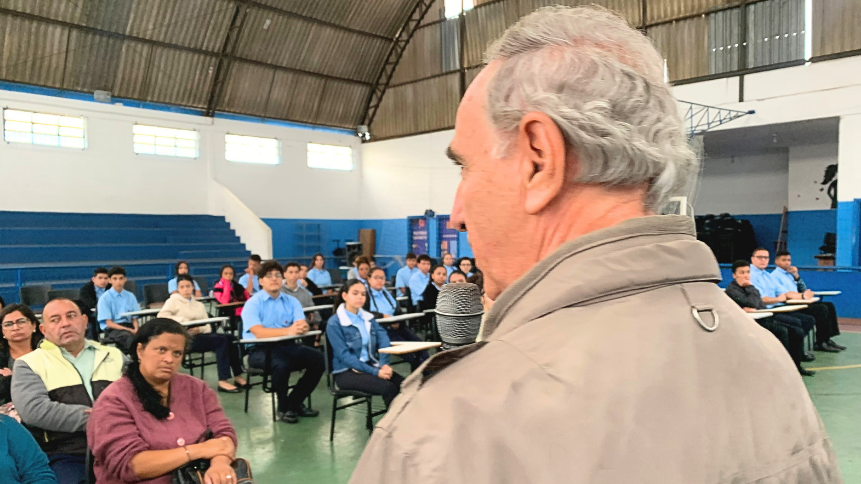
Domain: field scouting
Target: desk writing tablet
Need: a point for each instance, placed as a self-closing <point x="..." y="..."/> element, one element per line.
<point x="802" y="301"/>
<point x="410" y="347"/>
<point x="827" y="293"/>
<point x="783" y="309"/>
<point x="761" y="315"/>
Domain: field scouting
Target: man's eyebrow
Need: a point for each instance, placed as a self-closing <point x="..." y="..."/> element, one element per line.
<point x="456" y="158"/>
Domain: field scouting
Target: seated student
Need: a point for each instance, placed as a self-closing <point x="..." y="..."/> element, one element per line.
<point x="456" y="277"/>
<point x="119" y="330"/>
<point x="318" y="274"/>
<point x="21" y="335"/>
<point x="292" y="287"/>
<point x="308" y="283"/>
<point x="91" y="291"/>
<point x="465" y="266"/>
<point x="363" y="268"/>
<point x="787" y="331"/>
<point x="55" y="386"/>
<point x="404" y="274"/>
<point x="448" y="263"/>
<point x="249" y="280"/>
<point x="180" y="269"/>
<point x="227" y="290"/>
<point x="182" y="308"/>
<point x="772" y="294"/>
<point x="352" y="274"/>
<point x="437" y="280"/>
<point x="153" y="420"/>
<point x="355" y="338"/>
<point x="419" y="281"/>
<point x="21" y="459"/>
<point x="383" y="305"/>
<point x="786" y="277"/>
<point x="271" y="313"/>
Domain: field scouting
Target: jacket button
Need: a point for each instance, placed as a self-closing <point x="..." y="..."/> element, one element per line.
<point x="180" y="442"/>
<point x="170" y="416"/>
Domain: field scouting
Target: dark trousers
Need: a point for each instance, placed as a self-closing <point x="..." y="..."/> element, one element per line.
<point x="365" y="382"/>
<point x="226" y="353"/>
<point x="70" y="469"/>
<point x="797" y="319"/>
<point x="289" y="357"/>
<point x="402" y="333"/>
<point x="123" y="339"/>
<point x="826" y="320"/>
<point x="792" y="337"/>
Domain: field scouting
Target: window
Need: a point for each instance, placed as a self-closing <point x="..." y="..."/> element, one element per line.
<point x="43" y="129"/>
<point x="250" y="149"/>
<point x="453" y="8"/>
<point x="330" y="157"/>
<point x="153" y="140"/>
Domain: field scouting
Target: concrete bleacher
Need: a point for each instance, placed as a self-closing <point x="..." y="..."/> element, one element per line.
<point x="62" y="249"/>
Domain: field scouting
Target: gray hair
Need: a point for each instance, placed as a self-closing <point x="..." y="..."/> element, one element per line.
<point x="602" y="83"/>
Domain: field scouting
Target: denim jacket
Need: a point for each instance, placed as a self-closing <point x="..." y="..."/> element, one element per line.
<point x="346" y="342"/>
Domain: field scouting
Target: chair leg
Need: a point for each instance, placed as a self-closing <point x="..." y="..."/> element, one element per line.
<point x="274" y="413"/>
<point x="247" y="392"/>
<point x="332" y="426"/>
<point x="202" y="366"/>
<point x="369" y="420"/>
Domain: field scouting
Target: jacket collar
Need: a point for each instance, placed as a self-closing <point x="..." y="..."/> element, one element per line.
<point x="345" y="320"/>
<point x="631" y="257"/>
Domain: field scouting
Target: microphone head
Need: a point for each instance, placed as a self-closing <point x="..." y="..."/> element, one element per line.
<point x="458" y="313"/>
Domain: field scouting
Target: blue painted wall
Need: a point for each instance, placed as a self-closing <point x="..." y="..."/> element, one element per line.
<point x="805" y="235"/>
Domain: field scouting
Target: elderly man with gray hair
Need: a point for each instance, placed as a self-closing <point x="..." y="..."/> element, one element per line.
<point x="610" y="355"/>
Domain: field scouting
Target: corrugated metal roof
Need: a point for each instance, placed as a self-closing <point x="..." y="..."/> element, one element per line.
<point x="672" y="9"/>
<point x="299" y="44"/>
<point x="419" y="107"/>
<point x="836" y="26"/>
<point x="32" y="52"/>
<point x="683" y="44"/>
<point x="382" y="17"/>
<point x="483" y="26"/>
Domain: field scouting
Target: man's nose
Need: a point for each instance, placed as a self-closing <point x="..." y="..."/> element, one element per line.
<point x="457" y="220"/>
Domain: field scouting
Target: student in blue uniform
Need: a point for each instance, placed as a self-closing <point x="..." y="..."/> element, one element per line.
<point x="419" y="280"/>
<point x="249" y="280"/>
<point x="402" y="278"/>
<point x="318" y="274"/>
<point x="118" y="329"/>
<point x="448" y="263"/>
<point x="181" y="268"/>
<point x="465" y="265"/>
<point x="383" y="305"/>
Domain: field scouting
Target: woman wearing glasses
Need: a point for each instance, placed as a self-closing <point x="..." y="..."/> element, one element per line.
<point x="21" y="335"/>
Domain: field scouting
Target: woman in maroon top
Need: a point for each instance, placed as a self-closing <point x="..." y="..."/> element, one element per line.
<point x="150" y="422"/>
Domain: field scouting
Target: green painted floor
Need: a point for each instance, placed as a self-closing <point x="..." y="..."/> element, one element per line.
<point x="302" y="452"/>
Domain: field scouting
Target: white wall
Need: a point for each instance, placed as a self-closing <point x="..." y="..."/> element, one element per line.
<point x="407" y="176"/>
<point x="849" y="156"/>
<point x="807" y="165"/>
<point x="107" y="177"/>
<point x="744" y="184"/>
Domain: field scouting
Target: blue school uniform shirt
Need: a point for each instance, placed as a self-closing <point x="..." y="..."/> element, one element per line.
<point x="418" y="284"/>
<point x="99" y="291"/>
<point x="448" y="271"/>
<point x="402" y="278"/>
<point x="278" y="312"/>
<point x="784" y="281"/>
<point x="765" y="284"/>
<point x="382" y="302"/>
<point x="171" y="286"/>
<point x="112" y="304"/>
<point x="243" y="281"/>
<point x="320" y="277"/>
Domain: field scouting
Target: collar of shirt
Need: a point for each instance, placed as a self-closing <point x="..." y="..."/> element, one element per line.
<point x="266" y="296"/>
<point x="88" y="346"/>
<point x="113" y="292"/>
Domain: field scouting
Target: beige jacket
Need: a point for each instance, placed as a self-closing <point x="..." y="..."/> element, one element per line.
<point x="183" y="310"/>
<point x="595" y="370"/>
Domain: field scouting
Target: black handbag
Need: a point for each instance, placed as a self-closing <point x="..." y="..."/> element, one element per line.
<point x="194" y="471"/>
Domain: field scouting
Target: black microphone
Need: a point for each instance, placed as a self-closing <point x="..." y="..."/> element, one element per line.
<point x="458" y="314"/>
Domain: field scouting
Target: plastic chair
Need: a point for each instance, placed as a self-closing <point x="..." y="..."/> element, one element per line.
<point x="132" y="287"/>
<point x="358" y="397"/>
<point x="155" y="293"/>
<point x="34" y="296"/>
<point x="72" y="294"/>
<point x="204" y="286"/>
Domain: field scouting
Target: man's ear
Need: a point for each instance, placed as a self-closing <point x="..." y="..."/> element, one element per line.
<point x="541" y="146"/>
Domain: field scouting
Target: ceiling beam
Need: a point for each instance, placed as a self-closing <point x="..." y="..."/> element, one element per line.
<point x="166" y="45"/>
<point x="396" y="52"/>
<point x="228" y="49"/>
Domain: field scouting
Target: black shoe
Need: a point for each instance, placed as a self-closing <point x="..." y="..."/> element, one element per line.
<point x="289" y="416"/>
<point x="226" y="390"/>
<point x="835" y="345"/>
<point x="825" y="347"/>
<point x="307" y="412"/>
<point x="806" y="372"/>
<point x="808" y="357"/>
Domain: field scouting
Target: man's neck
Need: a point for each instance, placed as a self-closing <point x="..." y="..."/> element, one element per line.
<point x="76" y="348"/>
<point x="293" y="286"/>
<point x="377" y="290"/>
<point x="274" y="294"/>
<point x="118" y="289"/>
<point x="19" y="348"/>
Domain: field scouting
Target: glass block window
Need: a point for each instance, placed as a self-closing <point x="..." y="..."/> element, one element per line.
<point x="330" y="157"/>
<point x="43" y="129"/>
<point x="155" y="140"/>
<point x="251" y="149"/>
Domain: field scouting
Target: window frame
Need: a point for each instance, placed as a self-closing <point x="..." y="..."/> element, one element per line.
<point x="308" y="157"/>
<point x="278" y="147"/>
<point x="197" y="143"/>
<point x="31" y="143"/>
